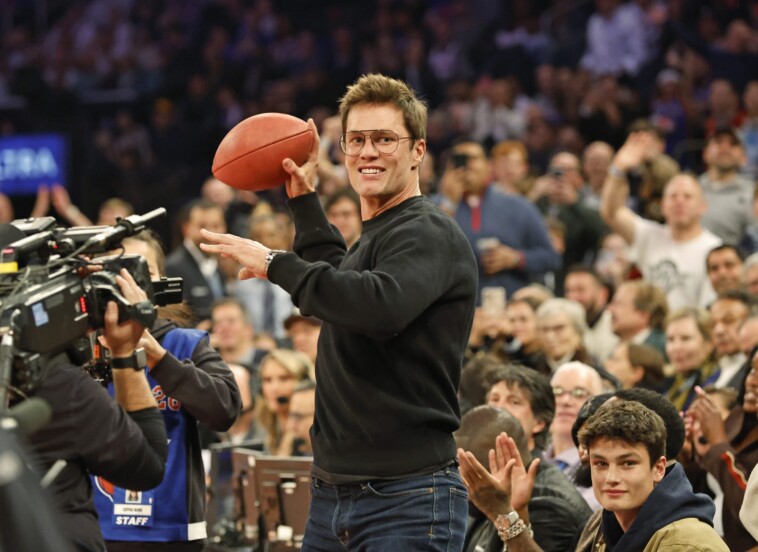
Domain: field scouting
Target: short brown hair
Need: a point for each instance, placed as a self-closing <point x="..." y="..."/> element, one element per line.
<point x="117" y="203"/>
<point x="380" y="89"/>
<point x="650" y="298"/>
<point x="507" y="147"/>
<point x="651" y="361"/>
<point x="627" y="421"/>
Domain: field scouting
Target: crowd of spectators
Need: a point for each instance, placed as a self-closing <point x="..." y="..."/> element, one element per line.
<point x="145" y="90"/>
<point x="599" y="156"/>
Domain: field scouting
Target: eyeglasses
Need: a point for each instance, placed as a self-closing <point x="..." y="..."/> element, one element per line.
<point x="385" y="141"/>
<point x="576" y="393"/>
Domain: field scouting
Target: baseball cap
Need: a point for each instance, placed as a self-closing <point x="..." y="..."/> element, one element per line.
<point x="726" y="131"/>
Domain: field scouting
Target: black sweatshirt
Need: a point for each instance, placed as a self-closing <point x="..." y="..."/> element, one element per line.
<point x="397" y="311"/>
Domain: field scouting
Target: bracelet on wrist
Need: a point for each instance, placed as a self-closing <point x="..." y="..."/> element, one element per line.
<point x="513" y="531"/>
<point x="510" y="526"/>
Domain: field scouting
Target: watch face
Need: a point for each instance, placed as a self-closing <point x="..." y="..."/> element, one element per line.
<point x="507" y="520"/>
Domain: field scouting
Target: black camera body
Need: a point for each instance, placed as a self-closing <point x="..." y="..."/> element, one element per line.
<point x="50" y="297"/>
<point x="103" y="288"/>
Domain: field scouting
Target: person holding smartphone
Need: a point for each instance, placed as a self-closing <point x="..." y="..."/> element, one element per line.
<point x="506" y="231"/>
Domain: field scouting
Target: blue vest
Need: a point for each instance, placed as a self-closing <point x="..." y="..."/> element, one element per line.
<point x="159" y="514"/>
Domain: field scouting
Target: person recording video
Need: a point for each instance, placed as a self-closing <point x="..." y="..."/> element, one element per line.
<point x="192" y="384"/>
<point x="123" y="441"/>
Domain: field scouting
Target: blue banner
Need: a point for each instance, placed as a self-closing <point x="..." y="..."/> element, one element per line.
<point x="26" y="161"/>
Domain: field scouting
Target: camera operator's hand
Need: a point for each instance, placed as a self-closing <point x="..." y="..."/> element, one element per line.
<point x="541" y="188"/>
<point x="131" y="388"/>
<point x="122" y="339"/>
<point x="153" y="349"/>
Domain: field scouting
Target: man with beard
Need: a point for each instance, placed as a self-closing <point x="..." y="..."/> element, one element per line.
<point x="583" y="285"/>
<point x="728" y="193"/>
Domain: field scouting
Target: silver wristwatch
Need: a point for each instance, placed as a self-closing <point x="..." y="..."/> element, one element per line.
<point x="504" y="521"/>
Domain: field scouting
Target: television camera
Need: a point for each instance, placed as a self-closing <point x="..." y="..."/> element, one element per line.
<point x="52" y="293"/>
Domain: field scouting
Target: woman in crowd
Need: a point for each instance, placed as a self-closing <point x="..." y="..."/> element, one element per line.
<point x="561" y="325"/>
<point x="689" y="348"/>
<point x="281" y="371"/>
<point x="525" y="347"/>
<point x="511" y="337"/>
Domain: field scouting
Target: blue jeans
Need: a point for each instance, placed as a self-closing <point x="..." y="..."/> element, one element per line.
<point x="414" y="514"/>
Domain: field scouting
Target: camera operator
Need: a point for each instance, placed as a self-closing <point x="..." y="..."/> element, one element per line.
<point x="192" y="384"/>
<point x="123" y="441"/>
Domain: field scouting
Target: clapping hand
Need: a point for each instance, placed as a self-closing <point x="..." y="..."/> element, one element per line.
<point x="507" y="486"/>
<point x="706" y="417"/>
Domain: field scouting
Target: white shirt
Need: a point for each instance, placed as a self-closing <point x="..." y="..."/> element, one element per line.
<point x="600" y="339"/>
<point x="208" y="264"/>
<point x="729" y="365"/>
<point x="640" y="337"/>
<point x="678" y="268"/>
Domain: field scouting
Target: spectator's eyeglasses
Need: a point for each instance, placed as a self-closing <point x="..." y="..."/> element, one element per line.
<point x="577" y="393"/>
<point x="385" y="141"/>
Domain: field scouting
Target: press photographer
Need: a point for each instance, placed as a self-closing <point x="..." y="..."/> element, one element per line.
<point x="46" y="306"/>
<point x="193" y="385"/>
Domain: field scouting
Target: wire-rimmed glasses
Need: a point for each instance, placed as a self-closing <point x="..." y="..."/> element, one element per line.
<point x="385" y="141"/>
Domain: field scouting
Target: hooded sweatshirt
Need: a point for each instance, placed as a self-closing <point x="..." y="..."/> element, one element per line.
<point x="672" y="501"/>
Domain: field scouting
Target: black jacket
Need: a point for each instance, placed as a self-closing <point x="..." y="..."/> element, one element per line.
<point x="397" y="311"/>
<point x="556" y="511"/>
<point x="197" y="292"/>
<point x="206" y="388"/>
<point x="93" y="434"/>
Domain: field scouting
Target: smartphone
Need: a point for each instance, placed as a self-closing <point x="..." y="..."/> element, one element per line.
<point x="555" y="172"/>
<point x="493" y="300"/>
<point x="460" y="160"/>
